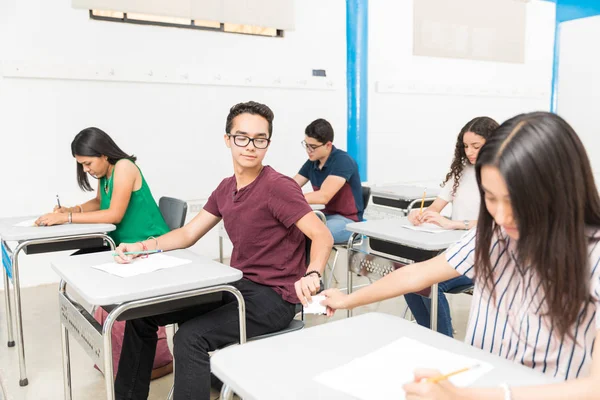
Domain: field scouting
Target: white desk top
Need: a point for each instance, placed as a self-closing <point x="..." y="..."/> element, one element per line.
<point x="101" y="288"/>
<point x="283" y="367"/>
<point x="403" y="192"/>
<point x="9" y="232"/>
<point x="317" y="207"/>
<point x="391" y="230"/>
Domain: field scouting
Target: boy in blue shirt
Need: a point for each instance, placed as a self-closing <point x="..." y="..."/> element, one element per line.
<point x="334" y="177"/>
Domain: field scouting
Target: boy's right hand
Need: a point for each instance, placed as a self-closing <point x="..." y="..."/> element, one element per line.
<point x="415" y="217"/>
<point x="121" y="258"/>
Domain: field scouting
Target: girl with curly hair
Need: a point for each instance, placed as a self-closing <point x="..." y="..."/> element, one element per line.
<point x="460" y="189"/>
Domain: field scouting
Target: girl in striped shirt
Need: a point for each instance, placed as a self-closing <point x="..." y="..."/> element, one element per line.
<point x="534" y="258"/>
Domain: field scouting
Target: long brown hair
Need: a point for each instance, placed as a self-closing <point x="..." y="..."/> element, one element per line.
<point x="553" y="197"/>
<point x="482" y="126"/>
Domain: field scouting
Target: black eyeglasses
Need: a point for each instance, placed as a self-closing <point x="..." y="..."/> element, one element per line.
<point x="243" y="141"/>
<point x="310" y="147"/>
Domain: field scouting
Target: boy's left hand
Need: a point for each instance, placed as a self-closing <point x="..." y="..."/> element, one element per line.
<point x="307" y="286"/>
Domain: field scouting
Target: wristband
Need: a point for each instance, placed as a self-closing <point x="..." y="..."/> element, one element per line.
<point x="313" y="272"/>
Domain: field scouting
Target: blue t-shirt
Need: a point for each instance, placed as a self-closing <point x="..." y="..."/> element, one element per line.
<point x="348" y="201"/>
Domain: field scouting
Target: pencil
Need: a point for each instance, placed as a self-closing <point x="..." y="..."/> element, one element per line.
<point x="436" y="379"/>
<point x="137" y="253"/>
<point x="423" y="201"/>
<point x="58" y="201"/>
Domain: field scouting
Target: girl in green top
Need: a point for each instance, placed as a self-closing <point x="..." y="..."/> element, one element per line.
<point x="123" y="197"/>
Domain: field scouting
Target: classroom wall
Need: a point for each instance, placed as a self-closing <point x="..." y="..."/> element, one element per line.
<point x="416" y="107"/>
<point x="578" y="83"/>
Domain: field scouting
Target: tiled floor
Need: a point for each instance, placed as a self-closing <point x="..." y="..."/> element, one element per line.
<point x="44" y="364"/>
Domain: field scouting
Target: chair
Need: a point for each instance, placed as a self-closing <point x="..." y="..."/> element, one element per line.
<point x="366" y="195"/>
<point x="173" y="211"/>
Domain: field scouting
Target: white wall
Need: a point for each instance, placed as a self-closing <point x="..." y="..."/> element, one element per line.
<point x="578" y="84"/>
<point x="176" y="129"/>
<point x="413" y="126"/>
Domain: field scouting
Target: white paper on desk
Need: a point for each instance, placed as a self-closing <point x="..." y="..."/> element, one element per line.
<point x="26" y="224"/>
<point x="142" y="265"/>
<point x="393" y="365"/>
<point x="315" y="307"/>
<point x="427" y="227"/>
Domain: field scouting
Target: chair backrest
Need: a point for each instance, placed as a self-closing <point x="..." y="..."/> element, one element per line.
<point x="366" y="195"/>
<point x="173" y="211"/>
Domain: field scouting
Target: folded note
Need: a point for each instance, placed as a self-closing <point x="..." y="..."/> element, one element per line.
<point x="142" y="265"/>
<point x="26" y="224"/>
<point x="426" y="227"/>
<point x="393" y="365"/>
<point x="315" y="307"/>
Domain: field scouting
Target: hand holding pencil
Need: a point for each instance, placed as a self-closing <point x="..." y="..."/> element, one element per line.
<point x="126" y="252"/>
<point x="431" y="384"/>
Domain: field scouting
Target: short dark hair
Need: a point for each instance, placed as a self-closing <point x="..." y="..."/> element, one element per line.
<point x="94" y="142"/>
<point x="321" y="130"/>
<point x="250" y="107"/>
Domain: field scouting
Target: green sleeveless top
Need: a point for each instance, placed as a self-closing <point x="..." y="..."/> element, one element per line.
<point x="142" y="218"/>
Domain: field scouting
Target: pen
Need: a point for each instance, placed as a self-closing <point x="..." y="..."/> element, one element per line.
<point x="423" y="201"/>
<point x="127" y="253"/>
<point x="436" y="379"/>
<point x="58" y="201"/>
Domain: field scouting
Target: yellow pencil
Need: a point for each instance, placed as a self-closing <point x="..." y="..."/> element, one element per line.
<point x="436" y="379"/>
<point x="423" y="201"/>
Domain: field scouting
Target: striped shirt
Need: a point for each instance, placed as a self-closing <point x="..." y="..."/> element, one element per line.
<point x="513" y="326"/>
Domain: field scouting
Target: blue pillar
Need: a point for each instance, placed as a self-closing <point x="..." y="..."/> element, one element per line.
<point x="357" y="57"/>
<point x="567" y="10"/>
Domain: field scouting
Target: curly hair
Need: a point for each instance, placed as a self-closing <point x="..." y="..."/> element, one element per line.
<point x="482" y="126"/>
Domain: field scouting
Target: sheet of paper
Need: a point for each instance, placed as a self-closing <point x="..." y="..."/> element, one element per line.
<point x="393" y="365"/>
<point x="26" y="224"/>
<point x="426" y="227"/>
<point x="315" y="307"/>
<point x="142" y="265"/>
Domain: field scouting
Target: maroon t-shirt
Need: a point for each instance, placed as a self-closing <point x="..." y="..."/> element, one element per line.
<point x="259" y="219"/>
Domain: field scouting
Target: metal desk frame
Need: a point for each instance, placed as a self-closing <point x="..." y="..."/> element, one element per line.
<point x="97" y="340"/>
<point x="392" y="264"/>
<point x="14" y="257"/>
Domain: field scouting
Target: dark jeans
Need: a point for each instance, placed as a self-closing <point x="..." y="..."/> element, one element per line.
<point x="421" y="306"/>
<point x="201" y="329"/>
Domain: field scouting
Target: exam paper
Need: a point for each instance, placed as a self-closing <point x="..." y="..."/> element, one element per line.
<point x="427" y="227"/>
<point x="393" y="365"/>
<point x="142" y="265"/>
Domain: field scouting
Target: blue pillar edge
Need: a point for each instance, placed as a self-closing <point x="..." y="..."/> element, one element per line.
<point x="567" y="10"/>
<point x="357" y="57"/>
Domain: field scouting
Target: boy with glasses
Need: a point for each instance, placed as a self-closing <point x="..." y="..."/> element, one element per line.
<point x="334" y="177"/>
<point x="267" y="219"/>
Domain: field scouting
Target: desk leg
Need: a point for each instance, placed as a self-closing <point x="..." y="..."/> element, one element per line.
<point x="66" y="353"/>
<point x="220" y="249"/>
<point x="349" y="283"/>
<point x="18" y="315"/>
<point x="434" y="307"/>
<point x="9" y="316"/>
<point x="226" y="393"/>
<point x="108" y="364"/>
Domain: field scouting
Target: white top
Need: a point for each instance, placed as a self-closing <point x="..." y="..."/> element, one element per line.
<point x="280" y="368"/>
<point x="10" y="232"/>
<point x="101" y="288"/>
<point x="465" y="202"/>
<point x="391" y="230"/>
<point x="513" y="325"/>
